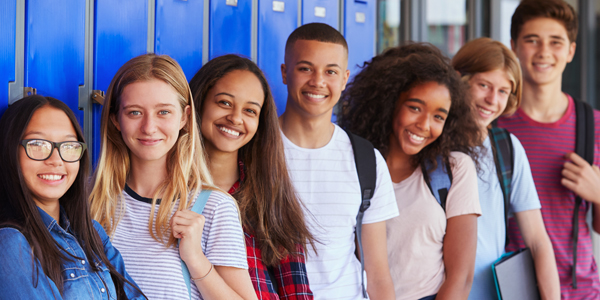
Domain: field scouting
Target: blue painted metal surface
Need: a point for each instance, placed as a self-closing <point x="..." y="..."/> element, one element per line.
<point x="55" y="49"/>
<point x="230" y="28"/>
<point x="8" y="13"/>
<point x="121" y="32"/>
<point x="178" y="32"/>
<point x="359" y="31"/>
<point x="274" y="27"/>
<point x="321" y="11"/>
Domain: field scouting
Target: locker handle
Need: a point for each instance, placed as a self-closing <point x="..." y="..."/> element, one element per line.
<point x="28" y="91"/>
<point x="98" y="96"/>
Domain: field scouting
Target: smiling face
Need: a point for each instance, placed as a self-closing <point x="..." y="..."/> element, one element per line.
<point x="315" y="74"/>
<point x="48" y="180"/>
<point x="490" y="92"/>
<point x="419" y="117"/>
<point x="543" y="49"/>
<point x="231" y="111"/>
<point x="149" y="118"/>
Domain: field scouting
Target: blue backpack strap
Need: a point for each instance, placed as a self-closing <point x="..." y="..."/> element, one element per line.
<point x="584" y="147"/>
<point x="197" y="208"/>
<point x="439" y="180"/>
<point x="504" y="159"/>
<point x="366" y="167"/>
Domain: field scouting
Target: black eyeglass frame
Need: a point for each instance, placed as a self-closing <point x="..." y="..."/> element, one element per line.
<point x="54" y="145"/>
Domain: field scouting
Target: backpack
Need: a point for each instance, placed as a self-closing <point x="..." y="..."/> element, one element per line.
<point x="366" y="167"/>
<point x="439" y="180"/>
<point x="584" y="147"/>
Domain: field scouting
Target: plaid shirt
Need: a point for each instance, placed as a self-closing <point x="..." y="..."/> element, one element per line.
<point x="290" y="274"/>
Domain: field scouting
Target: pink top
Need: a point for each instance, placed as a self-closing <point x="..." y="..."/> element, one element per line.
<point x="416" y="237"/>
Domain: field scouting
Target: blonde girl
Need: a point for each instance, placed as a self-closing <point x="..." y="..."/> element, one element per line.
<point x="150" y="170"/>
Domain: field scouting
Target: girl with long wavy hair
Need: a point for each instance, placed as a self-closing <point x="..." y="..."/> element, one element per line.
<point x="150" y="170"/>
<point x="245" y="155"/>
<point x="51" y="248"/>
<point x="410" y="103"/>
<point x="495" y="82"/>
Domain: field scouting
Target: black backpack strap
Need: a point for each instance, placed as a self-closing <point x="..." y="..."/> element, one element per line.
<point x="439" y="180"/>
<point x="502" y="149"/>
<point x="366" y="167"/>
<point x="584" y="147"/>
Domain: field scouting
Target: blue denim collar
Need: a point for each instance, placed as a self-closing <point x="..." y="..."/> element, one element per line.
<point x="51" y="223"/>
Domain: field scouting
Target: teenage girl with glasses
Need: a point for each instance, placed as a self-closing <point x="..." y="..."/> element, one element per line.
<point x="50" y="246"/>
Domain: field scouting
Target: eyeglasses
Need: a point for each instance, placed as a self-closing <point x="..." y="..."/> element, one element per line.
<point x="37" y="149"/>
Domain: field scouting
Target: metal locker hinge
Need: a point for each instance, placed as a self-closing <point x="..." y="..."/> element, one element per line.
<point x="28" y="91"/>
<point x="98" y="96"/>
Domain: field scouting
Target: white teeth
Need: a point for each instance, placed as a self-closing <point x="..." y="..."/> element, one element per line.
<point x="227" y="130"/>
<point x="415" y="137"/>
<point x="316" y="96"/>
<point x="50" y="177"/>
<point x="543" y="65"/>
<point x="485" y="111"/>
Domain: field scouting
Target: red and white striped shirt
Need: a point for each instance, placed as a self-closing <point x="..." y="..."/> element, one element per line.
<point x="546" y="145"/>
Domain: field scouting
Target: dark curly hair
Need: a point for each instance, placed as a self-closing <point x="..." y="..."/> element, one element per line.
<point x="370" y="100"/>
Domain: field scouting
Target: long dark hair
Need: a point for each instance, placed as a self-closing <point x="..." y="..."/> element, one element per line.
<point x="370" y="100"/>
<point x="18" y="209"/>
<point x="268" y="204"/>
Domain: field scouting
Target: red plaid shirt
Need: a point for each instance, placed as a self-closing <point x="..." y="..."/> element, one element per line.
<point x="290" y="274"/>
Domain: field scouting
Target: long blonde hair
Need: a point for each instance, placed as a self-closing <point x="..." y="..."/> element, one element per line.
<point x="186" y="166"/>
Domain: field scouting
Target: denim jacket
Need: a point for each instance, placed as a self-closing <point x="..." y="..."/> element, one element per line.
<point x="18" y="272"/>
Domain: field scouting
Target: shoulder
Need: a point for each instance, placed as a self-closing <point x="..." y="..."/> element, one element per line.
<point x="100" y="230"/>
<point x="460" y="160"/>
<point x="220" y="203"/>
<point x="11" y="240"/>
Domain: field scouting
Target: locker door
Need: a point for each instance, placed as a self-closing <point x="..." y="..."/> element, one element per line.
<point x="121" y="33"/>
<point x="179" y="32"/>
<point x="276" y="20"/>
<point x="8" y="15"/>
<point x="321" y="11"/>
<point x="359" y="31"/>
<point x="55" y="49"/>
<point x="230" y="27"/>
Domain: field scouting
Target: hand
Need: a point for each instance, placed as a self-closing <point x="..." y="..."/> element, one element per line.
<point x="581" y="178"/>
<point x="187" y="226"/>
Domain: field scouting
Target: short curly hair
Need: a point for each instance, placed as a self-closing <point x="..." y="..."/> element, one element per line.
<point x="370" y="100"/>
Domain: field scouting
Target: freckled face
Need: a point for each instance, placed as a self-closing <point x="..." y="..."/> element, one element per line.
<point x="490" y="92"/>
<point x="149" y="118"/>
<point x="420" y="116"/>
<point x="231" y="111"/>
<point x="48" y="180"/>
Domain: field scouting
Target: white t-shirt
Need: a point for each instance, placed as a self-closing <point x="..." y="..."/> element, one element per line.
<point x="491" y="230"/>
<point x="327" y="183"/>
<point x="415" y="239"/>
<point x="157" y="269"/>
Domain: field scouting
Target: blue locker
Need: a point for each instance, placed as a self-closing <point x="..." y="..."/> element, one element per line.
<point x="55" y="49"/>
<point x="321" y="11"/>
<point x="230" y="27"/>
<point x="8" y="15"/>
<point x="178" y="32"/>
<point x="276" y="20"/>
<point x="359" y="31"/>
<point x="121" y="33"/>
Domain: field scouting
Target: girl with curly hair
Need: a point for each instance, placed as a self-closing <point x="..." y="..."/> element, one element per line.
<point x="410" y="103"/>
<point x="494" y="77"/>
<point x="246" y="157"/>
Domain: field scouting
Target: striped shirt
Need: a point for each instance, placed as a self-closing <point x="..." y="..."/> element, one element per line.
<point x="157" y="269"/>
<point x="327" y="183"/>
<point x="546" y="145"/>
